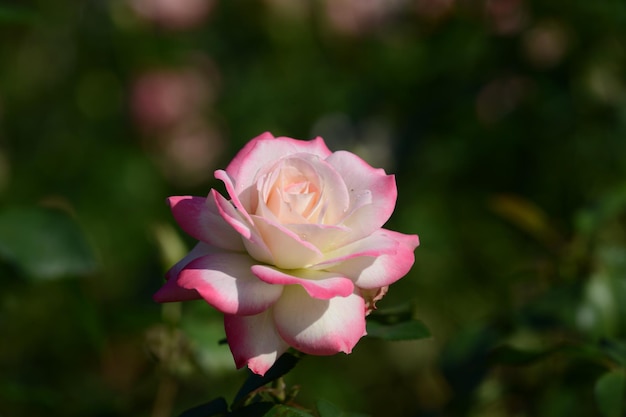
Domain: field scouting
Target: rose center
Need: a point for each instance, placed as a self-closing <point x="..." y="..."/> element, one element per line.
<point x="291" y="191"/>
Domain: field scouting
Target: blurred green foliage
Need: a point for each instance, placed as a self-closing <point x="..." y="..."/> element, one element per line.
<point x="504" y="121"/>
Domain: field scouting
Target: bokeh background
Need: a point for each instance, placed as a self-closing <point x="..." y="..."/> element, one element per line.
<point x="504" y="121"/>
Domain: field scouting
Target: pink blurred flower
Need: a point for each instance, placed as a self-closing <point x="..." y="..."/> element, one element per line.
<point x="171" y="107"/>
<point x="296" y="256"/>
<point x="173" y="14"/>
<point x="162" y="98"/>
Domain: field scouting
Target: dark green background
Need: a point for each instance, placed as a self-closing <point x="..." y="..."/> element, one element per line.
<point x="504" y="121"/>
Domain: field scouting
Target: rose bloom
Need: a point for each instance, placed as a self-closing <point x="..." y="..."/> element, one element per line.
<point x="296" y="255"/>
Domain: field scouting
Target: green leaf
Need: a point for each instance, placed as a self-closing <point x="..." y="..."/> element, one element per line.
<point x="328" y="409"/>
<point x="44" y="243"/>
<point x="406" y="330"/>
<point x="610" y="391"/>
<point x="217" y="407"/>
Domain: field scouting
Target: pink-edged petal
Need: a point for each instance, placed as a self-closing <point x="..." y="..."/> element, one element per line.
<point x="172" y="292"/>
<point x="386" y="269"/>
<point x="241" y="158"/>
<point x="198" y="251"/>
<point x="318" y="284"/>
<point x="254" y="341"/>
<point x="234" y="196"/>
<point x="361" y="180"/>
<point x="372" y="272"/>
<point x="288" y="250"/>
<point x="253" y="242"/>
<point x="226" y="282"/>
<point x="200" y="218"/>
<point x="264" y="150"/>
<point x="377" y="244"/>
<point x="319" y="327"/>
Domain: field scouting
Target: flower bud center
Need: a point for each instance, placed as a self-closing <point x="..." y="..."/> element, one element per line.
<point x="291" y="191"/>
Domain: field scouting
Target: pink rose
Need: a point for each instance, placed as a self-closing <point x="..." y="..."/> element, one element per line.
<point x="296" y="256"/>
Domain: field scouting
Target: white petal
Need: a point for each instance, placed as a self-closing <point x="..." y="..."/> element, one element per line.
<point x="288" y="250"/>
<point x="254" y="341"/>
<point x="319" y="327"/>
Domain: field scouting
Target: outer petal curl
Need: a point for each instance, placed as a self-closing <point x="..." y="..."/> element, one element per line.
<point x="171" y="291"/>
<point x="254" y="341"/>
<point x="371" y="272"/>
<point x="225" y="281"/>
<point x="319" y="327"/>
<point x="253" y="242"/>
<point x="200" y="218"/>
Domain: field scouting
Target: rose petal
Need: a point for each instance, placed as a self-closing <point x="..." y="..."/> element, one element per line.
<point x="319" y="327"/>
<point x="324" y="237"/>
<point x="253" y="340"/>
<point x="288" y="250"/>
<point x="318" y="284"/>
<point x="171" y="291"/>
<point x="253" y="242"/>
<point x="242" y="157"/>
<point x="377" y="244"/>
<point x="265" y="150"/>
<point x="379" y="271"/>
<point x="226" y="282"/>
<point x="198" y="251"/>
<point x="386" y="269"/>
<point x="326" y="203"/>
<point x="361" y="179"/>
<point x="234" y="197"/>
<point x="200" y="218"/>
